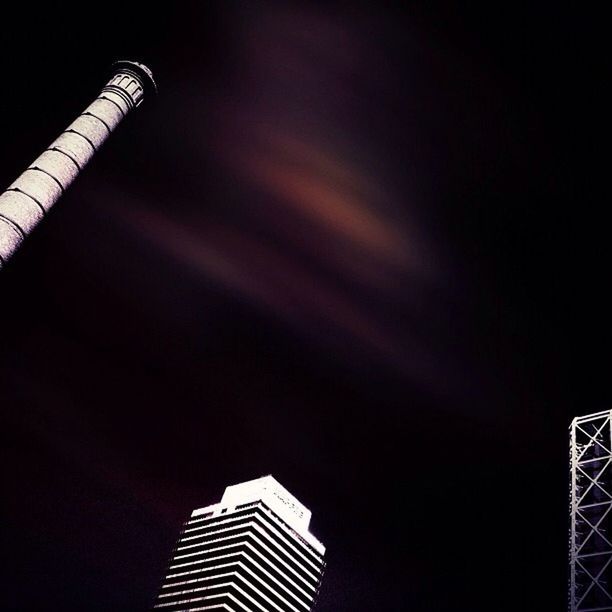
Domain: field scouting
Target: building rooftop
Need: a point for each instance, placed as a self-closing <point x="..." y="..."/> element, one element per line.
<point x="269" y="491"/>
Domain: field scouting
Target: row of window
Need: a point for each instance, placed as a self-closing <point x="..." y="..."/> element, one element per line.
<point x="237" y="584"/>
<point x="253" y="564"/>
<point x="254" y="533"/>
<point x="203" y="523"/>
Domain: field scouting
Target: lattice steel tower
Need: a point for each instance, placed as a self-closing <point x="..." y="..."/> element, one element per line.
<point x="590" y="582"/>
<point x="24" y="204"/>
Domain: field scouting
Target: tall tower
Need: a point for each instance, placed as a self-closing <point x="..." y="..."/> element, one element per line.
<point x="252" y="552"/>
<point x="31" y="196"/>
<point x="590" y="582"/>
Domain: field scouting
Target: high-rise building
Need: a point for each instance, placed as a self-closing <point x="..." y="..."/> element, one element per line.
<point x="29" y="198"/>
<point x="251" y="552"/>
<point x="590" y="585"/>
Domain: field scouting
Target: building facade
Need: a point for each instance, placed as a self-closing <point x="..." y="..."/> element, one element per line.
<point x="590" y="584"/>
<point x="252" y="551"/>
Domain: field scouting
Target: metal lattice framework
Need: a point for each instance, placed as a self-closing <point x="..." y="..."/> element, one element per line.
<point x="590" y="588"/>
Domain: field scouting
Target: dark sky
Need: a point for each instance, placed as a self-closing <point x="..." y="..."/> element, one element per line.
<point x="363" y="249"/>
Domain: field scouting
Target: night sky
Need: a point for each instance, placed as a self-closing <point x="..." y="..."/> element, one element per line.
<point x="365" y="250"/>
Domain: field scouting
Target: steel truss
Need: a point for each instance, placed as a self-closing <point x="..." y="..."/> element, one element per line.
<point x="590" y="581"/>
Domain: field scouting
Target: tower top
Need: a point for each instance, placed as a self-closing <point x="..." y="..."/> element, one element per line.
<point x="268" y="490"/>
<point x="140" y="71"/>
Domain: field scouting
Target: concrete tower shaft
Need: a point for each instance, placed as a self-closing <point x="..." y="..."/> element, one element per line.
<point x="27" y="200"/>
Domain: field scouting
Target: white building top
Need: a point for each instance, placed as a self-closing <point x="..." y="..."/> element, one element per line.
<point x="268" y="490"/>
